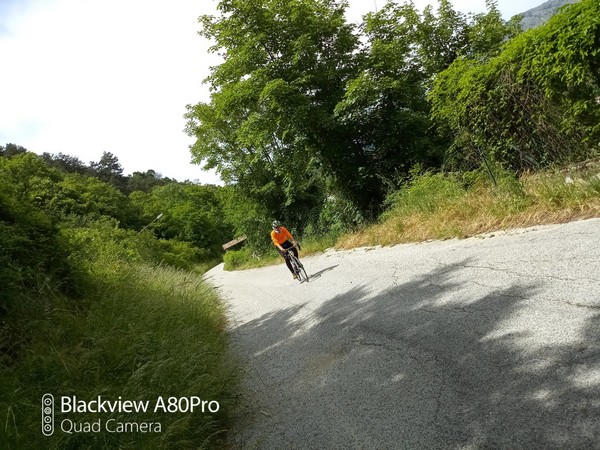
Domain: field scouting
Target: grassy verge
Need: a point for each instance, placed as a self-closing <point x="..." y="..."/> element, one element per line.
<point x="139" y="332"/>
<point x="448" y="206"/>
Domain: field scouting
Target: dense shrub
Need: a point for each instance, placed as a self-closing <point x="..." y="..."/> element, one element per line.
<point x="534" y="105"/>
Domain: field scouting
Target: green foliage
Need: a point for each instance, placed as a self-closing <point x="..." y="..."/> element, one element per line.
<point x="10" y="150"/>
<point x="81" y="195"/>
<point x="183" y="255"/>
<point x="190" y="213"/>
<point x="88" y="307"/>
<point x="28" y="177"/>
<point x="31" y="250"/>
<point x="235" y="259"/>
<point x="442" y="37"/>
<point x="385" y="104"/>
<point x="269" y="127"/>
<point x="532" y="106"/>
<point x="299" y="112"/>
<point x="337" y="215"/>
<point x="103" y="240"/>
<point x="66" y="163"/>
<point x="248" y="217"/>
<point x="145" y="181"/>
<point x="144" y="333"/>
<point x="555" y="194"/>
<point x="109" y="169"/>
<point x="487" y="32"/>
<point x="425" y="194"/>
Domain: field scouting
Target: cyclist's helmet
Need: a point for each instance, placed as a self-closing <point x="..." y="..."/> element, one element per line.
<point x="276" y="224"/>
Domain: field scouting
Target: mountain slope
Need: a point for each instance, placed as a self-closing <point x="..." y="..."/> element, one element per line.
<point x="535" y="17"/>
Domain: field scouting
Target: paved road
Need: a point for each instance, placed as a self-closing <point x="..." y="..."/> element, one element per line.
<point x="488" y="342"/>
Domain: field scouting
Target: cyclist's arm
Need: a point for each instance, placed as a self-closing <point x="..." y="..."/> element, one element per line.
<point x="289" y="237"/>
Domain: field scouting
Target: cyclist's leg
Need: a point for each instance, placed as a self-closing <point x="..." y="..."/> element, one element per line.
<point x="287" y="245"/>
<point x="295" y="252"/>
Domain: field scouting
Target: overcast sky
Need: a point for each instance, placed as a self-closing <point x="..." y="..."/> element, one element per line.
<point x="86" y="76"/>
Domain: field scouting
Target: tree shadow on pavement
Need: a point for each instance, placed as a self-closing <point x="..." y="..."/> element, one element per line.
<point x="424" y="364"/>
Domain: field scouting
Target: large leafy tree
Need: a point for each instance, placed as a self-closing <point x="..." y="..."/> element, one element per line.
<point x="269" y="127"/>
<point x="11" y="150"/>
<point x="146" y="181"/>
<point x="385" y="104"/>
<point x="445" y="35"/>
<point x="109" y="169"/>
<point x="80" y="195"/>
<point x="67" y="163"/>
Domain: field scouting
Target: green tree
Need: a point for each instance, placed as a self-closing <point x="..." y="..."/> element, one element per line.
<point x="190" y="213"/>
<point x="385" y="104"/>
<point x="247" y="216"/>
<point x="67" y="163"/>
<point x="32" y="253"/>
<point x="145" y="181"/>
<point x="488" y="32"/>
<point x="32" y="180"/>
<point x="442" y="37"/>
<point x="81" y="195"/>
<point x="11" y="150"/>
<point x="109" y="169"/>
<point x="270" y="126"/>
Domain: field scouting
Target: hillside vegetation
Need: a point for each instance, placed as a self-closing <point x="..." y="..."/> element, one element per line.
<point x="96" y="302"/>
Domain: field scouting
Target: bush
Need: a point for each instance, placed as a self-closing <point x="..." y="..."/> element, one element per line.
<point x="534" y="105"/>
<point x="235" y="259"/>
<point x="104" y="240"/>
<point x="425" y="194"/>
<point x="338" y="215"/>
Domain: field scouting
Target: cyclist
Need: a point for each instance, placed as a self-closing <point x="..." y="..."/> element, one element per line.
<point x="283" y="240"/>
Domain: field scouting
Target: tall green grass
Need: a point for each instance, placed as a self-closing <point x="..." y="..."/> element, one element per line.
<point x="138" y="331"/>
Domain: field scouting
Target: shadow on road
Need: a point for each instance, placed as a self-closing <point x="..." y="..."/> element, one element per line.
<point x="420" y="365"/>
<point x="321" y="272"/>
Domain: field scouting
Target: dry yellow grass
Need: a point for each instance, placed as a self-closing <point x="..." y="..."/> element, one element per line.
<point x="544" y="199"/>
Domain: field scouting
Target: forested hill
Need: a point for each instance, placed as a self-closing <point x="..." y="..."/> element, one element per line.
<point x="71" y="194"/>
<point x="535" y="17"/>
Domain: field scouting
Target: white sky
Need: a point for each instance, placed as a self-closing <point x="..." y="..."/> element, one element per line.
<point x="86" y="76"/>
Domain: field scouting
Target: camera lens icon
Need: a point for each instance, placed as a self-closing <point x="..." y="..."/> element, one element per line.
<point x="48" y="415"/>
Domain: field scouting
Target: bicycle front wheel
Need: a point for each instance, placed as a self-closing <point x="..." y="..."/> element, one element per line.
<point x="302" y="275"/>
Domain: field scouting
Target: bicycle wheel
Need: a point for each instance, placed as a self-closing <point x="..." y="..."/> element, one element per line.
<point x="302" y="275"/>
<point x="296" y="266"/>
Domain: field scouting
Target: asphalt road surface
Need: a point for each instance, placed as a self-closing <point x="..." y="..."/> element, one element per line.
<point x="487" y="342"/>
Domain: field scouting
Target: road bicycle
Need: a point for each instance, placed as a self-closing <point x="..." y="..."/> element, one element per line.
<point x="297" y="266"/>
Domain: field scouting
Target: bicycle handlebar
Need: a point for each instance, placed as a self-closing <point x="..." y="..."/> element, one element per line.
<point x="293" y="246"/>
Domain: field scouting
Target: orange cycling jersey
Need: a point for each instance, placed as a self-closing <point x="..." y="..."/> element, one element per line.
<point x="280" y="238"/>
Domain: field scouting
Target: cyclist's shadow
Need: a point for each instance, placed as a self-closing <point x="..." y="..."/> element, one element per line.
<point x="321" y="272"/>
